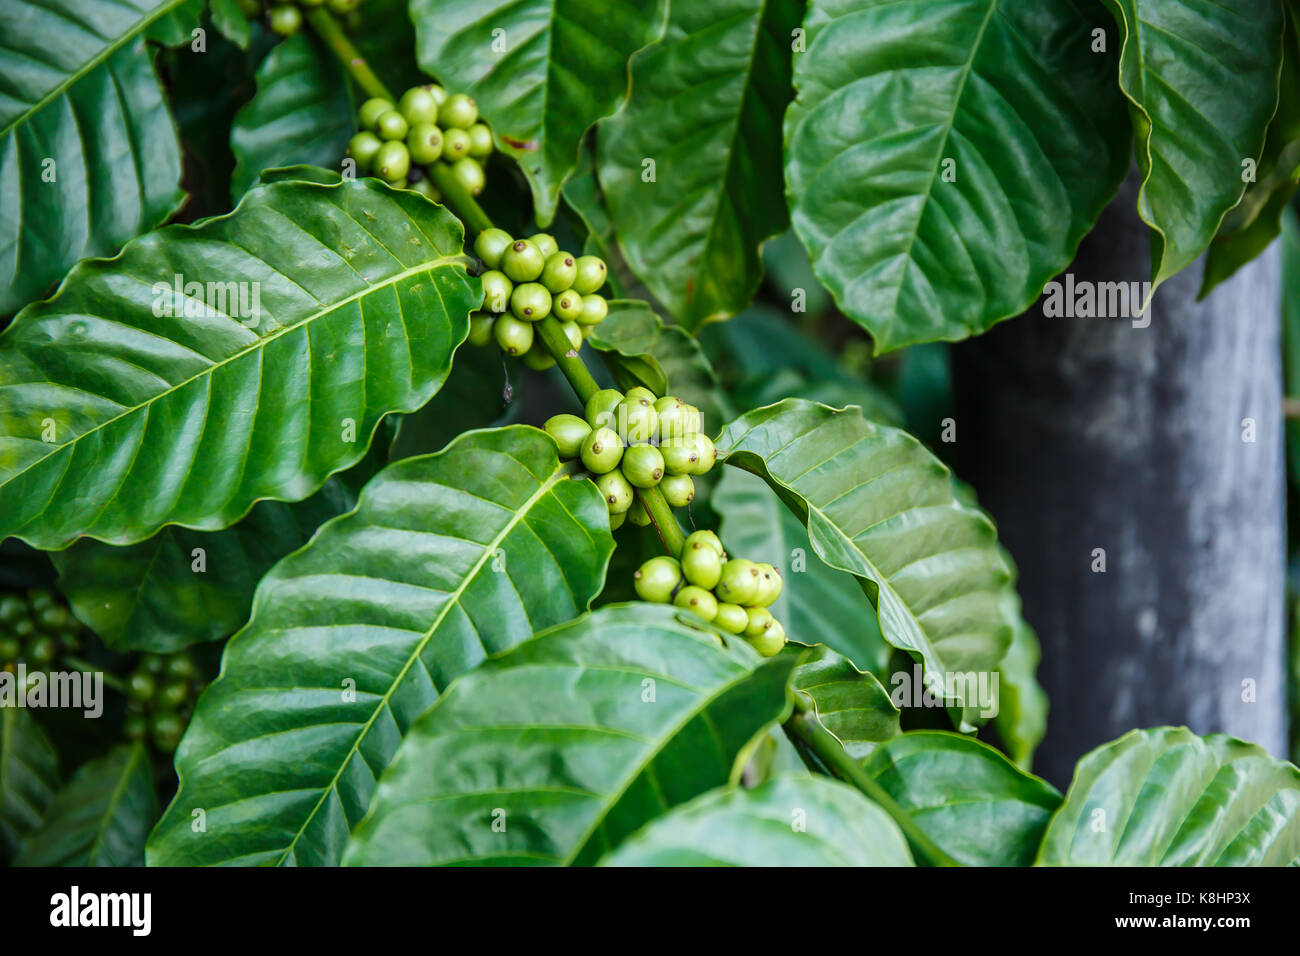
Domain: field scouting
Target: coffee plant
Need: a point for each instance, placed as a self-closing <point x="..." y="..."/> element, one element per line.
<point x="372" y="385"/>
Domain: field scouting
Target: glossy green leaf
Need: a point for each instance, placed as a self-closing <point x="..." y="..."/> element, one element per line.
<point x="943" y="159"/>
<point x="472" y="397"/>
<point x="1251" y="225"/>
<point x="29" y="775"/>
<point x="789" y="821"/>
<point x="303" y="112"/>
<point x="1021" y="720"/>
<point x="879" y="505"/>
<point x="1166" y="797"/>
<point x="582" y="194"/>
<point x="1201" y="77"/>
<point x="101" y="818"/>
<point x="88" y="151"/>
<point x="976" y="805"/>
<point x="230" y="20"/>
<point x="541" y="71"/>
<point x="642" y="350"/>
<point x="818" y="603"/>
<point x="447" y="559"/>
<point x="116" y="418"/>
<point x="573" y="741"/>
<point x="706" y="107"/>
<point x="184" y="587"/>
<point x="848" y="702"/>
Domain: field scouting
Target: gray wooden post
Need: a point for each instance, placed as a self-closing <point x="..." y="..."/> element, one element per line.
<point x="1159" y="451"/>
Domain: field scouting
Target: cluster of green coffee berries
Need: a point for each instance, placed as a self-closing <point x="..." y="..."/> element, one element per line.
<point x="732" y="594"/>
<point x="37" y="630"/>
<point x="399" y="143"/>
<point x="636" y="441"/>
<point x="285" y="16"/>
<point x="527" y="280"/>
<point x="160" y="694"/>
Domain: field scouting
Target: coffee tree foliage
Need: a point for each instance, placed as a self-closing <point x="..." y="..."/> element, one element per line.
<point x="272" y="278"/>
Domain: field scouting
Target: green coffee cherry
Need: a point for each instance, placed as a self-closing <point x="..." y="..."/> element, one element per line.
<point x="166" y="731"/>
<point x="616" y="490"/>
<point x="514" y="337"/>
<point x="770" y="642"/>
<point x="600" y="407"/>
<point x="538" y="358"/>
<point x="419" y="107"/>
<point x="24" y="629"/>
<point x="546" y="243"/>
<point x="594" y="309"/>
<point x="251" y="9"/>
<point x="591" y="274"/>
<point x="392" y="125"/>
<point x="392" y="162"/>
<point x="567" y="305"/>
<point x="707" y="539"/>
<point x="573" y="332"/>
<point x="135" y="726"/>
<point x="616" y="521"/>
<point x="701" y="565"/>
<point x="658" y="579"/>
<point x="678" y="490"/>
<point x="731" y="618"/>
<point x="490" y="245"/>
<point x="770" y="585"/>
<point x="438" y="93"/>
<point x="569" y="432"/>
<point x="642" y="394"/>
<point x="480" y="141"/>
<point x="455" y="144"/>
<point x="363" y="148"/>
<point x="480" y="328"/>
<point x="12" y="608"/>
<point x="638" y="515"/>
<point x="344" y="7"/>
<point x="371" y="110"/>
<point x="182" y="667"/>
<point x="739" y="582"/>
<point x="40" y="599"/>
<point x="643" y="465"/>
<point x="760" y="620"/>
<point x="172" y="695"/>
<point x="637" y="420"/>
<point x="601" y="451"/>
<point x="140" y="686"/>
<point x="697" y="599"/>
<point x="425" y="188"/>
<point x="470" y="175"/>
<point x="530" y="301"/>
<point x="424" y="143"/>
<point x="558" y="273"/>
<point x="154" y="663"/>
<point x="706" y="452"/>
<point x="680" y="456"/>
<point x="43" y="651"/>
<point x="523" y="261"/>
<point x="286" y="21"/>
<point x="459" y="112"/>
<point x="497" y="290"/>
<point x="53" y="618"/>
<point x="676" y="419"/>
<point x="10" y="649"/>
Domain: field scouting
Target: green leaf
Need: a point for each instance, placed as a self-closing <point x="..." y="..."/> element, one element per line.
<point x="101" y="818"/>
<point x="185" y="587"/>
<point x="542" y="71"/>
<point x="817" y="602"/>
<point x="115" y="420"/>
<point x="79" y="91"/>
<point x="573" y="740"/>
<point x="473" y="397"/>
<point x="944" y="159"/>
<point x="879" y="505"/>
<point x="303" y="112"/>
<point x="447" y="559"/>
<point x="789" y="821"/>
<point x="976" y="805"/>
<point x="706" y="106"/>
<point x="848" y="702"/>
<point x="229" y="19"/>
<point x="1021" y="720"/>
<point x="1201" y="78"/>
<point x="582" y="195"/>
<point x="1250" y="226"/>
<point x="29" y="774"/>
<point x="1166" y="797"/>
<point x="641" y="350"/>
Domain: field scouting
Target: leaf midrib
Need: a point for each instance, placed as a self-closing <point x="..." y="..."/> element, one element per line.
<point x="92" y="64"/>
<point x="261" y="343"/>
<point x="453" y="600"/>
<point x="114" y="800"/>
